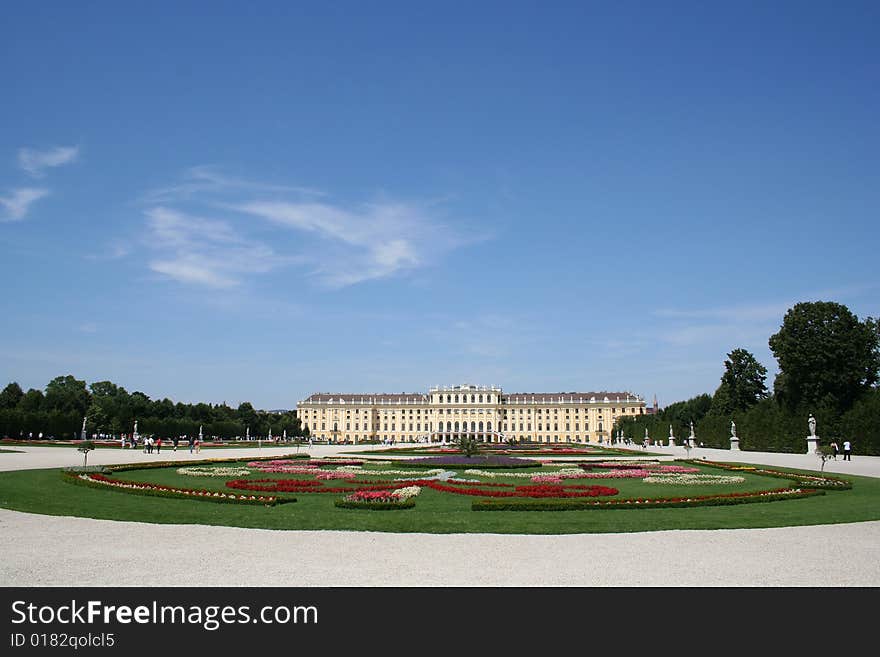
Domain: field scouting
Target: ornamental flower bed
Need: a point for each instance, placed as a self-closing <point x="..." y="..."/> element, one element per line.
<point x="320" y="462"/>
<point x="491" y="461"/>
<point x="642" y="503"/>
<point x="307" y="486"/>
<point x="101" y="481"/>
<point x="380" y="500"/>
<point x="375" y="473"/>
<point x="687" y="479"/>
<point x="611" y="465"/>
<point x="811" y="481"/>
<point x="489" y="489"/>
<point x="545" y="490"/>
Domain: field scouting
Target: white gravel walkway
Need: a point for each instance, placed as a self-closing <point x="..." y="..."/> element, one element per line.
<point x="110" y="553"/>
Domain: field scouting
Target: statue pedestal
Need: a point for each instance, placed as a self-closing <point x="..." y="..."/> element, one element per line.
<point x="812" y="444"/>
<point x="671" y="442"/>
<point x="734" y="444"/>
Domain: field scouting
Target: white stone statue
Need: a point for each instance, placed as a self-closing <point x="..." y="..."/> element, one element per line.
<point x="84" y="425"/>
<point x="732" y="429"/>
<point x="692" y="430"/>
<point x="812" y="423"/>
<point x="670" y="431"/>
<point x="646" y="433"/>
<point x="135" y="426"/>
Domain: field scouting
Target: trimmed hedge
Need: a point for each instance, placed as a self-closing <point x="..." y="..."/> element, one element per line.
<point x="581" y="505"/>
<point x="376" y="506"/>
<point x="87" y="469"/>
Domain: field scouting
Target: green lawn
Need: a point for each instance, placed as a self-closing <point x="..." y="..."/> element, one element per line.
<point x="44" y="491"/>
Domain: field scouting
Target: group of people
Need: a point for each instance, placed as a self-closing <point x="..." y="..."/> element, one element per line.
<point x="149" y="444"/>
<point x="847" y="450"/>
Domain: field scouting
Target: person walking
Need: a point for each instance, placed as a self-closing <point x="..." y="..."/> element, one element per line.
<point x="835" y="449"/>
<point x="847" y="450"/>
<point x="159" y="445"/>
<point x="198" y="445"/>
<point x="175" y="440"/>
<point x="192" y="443"/>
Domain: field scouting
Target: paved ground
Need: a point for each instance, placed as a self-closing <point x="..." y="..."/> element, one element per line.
<point x="109" y="553"/>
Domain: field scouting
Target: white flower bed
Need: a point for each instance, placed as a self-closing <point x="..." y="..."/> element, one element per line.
<point x="194" y="471"/>
<point x="680" y="479"/>
<point x="564" y="473"/>
<point x="355" y="469"/>
<point x="408" y="492"/>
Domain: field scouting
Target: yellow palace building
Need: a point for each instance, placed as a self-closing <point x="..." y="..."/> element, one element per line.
<point x="485" y="412"/>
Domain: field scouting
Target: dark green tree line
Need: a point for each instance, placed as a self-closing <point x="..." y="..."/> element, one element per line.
<point x="112" y="410"/>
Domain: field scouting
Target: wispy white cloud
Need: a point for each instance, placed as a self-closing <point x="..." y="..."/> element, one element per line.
<point x="115" y="250"/>
<point x="751" y="312"/>
<point x="373" y="241"/>
<point x="204" y="182"/>
<point x="34" y="161"/>
<point x="16" y="205"/>
<point x="339" y="245"/>
<point x="203" y="251"/>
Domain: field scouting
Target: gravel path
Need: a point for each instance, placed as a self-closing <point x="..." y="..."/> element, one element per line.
<point x="89" y="552"/>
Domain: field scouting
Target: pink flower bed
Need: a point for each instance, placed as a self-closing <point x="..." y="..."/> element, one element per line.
<point x="373" y="496"/>
<point x="677" y="468"/>
<point x="335" y="475"/>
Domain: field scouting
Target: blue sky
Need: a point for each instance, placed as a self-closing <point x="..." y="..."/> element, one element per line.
<point x="228" y="201"/>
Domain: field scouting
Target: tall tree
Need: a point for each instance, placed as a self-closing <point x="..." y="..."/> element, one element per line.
<point x="248" y="416"/>
<point x="742" y="384"/>
<point x="32" y="401"/>
<point x="67" y="394"/>
<point x="11" y="395"/>
<point x="825" y="354"/>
